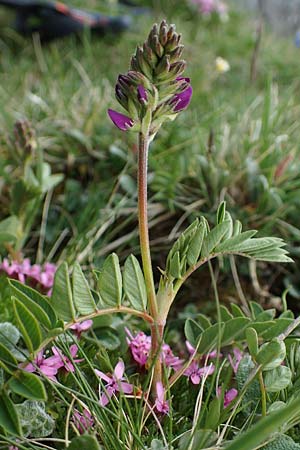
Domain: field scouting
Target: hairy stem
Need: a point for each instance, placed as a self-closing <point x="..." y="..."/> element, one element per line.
<point x="156" y="328"/>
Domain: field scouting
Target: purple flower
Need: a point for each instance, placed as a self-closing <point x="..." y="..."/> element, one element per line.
<point x="195" y="372"/>
<point x="169" y="359"/>
<point x="182" y="100"/>
<point x="140" y="346"/>
<point x="236" y="359"/>
<point x="64" y="361"/>
<point x="142" y="94"/>
<point x="47" y="366"/>
<point x="121" y="121"/>
<point x="161" y="405"/>
<point x="80" y="327"/>
<point x="115" y="383"/>
<point x="229" y="395"/>
<point x="82" y="421"/>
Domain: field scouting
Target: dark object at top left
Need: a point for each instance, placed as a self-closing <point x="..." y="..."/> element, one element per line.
<point x="55" y="19"/>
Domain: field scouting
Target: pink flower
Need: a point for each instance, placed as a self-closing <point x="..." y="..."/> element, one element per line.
<point x="115" y="383"/>
<point x="182" y="100"/>
<point x="195" y="372"/>
<point x="140" y="346"/>
<point x="64" y="361"/>
<point x="83" y="421"/>
<point x="236" y="359"/>
<point x="169" y="359"/>
<point x="124" y="123"/>
<point x="229" y="395"/>
<point x="47" y="366"/>
<point x="161" y="404"/>
<point x="80" y="327"/>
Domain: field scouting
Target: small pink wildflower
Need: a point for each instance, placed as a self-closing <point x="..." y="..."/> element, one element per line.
<point x="82" y="421"/>
<point x="115" y="383"/>
<point x="80" y="327"/>
<point x="47" y="366"/>
<point x="194" y="372"/>
<point x="236" y="359"/>
<point x="229" y="396"/>
<point x="140" y="346"/>
<point x="161" y="405"/>
<point x="64" y="361"/>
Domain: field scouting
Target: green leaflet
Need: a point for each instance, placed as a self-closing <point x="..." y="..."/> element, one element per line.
<point x="208" y="337"/>
<point x="7" y="359"/>
<point x="27" y="385"/>
<point x="233" y="328"/>
<point x="195" y="246"/>
<point x="235" y="241"/>
<point x="277" y="379"/>
<point x="252" y="341"/>
<point x="61" y="298"/>
<point x="271" y="354"/>
<point x="82" y="296"/>
<point x="23" y="293"/>
<point x="28" y="326"/>
<point x="86" y="442"/>
<point x="175" y="266"/>
<point x="134" y="284"/>
<point x="214" y="237"/>
<point x="9" y="419"/>
<point x="110" y="281"/>
<point x="10" y="229"/>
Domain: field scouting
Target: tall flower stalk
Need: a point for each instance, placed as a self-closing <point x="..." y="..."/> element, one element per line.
<point x="151" y="92"/>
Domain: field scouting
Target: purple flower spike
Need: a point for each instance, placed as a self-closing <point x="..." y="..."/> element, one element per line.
<point x="142" y="94"/>
<point x="120" y="120"/>
<point x="182" y="100"/>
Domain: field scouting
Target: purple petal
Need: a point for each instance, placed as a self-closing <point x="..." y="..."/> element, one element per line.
<point x="120" y="120"/>
<point x="73" y="350"/>
<point x="142" y="94"/>
<point x="127" y="388"/>
<point x="195" y="378"/>
<point x="103" y="376"/>
<point x="106" y="396"/>
<point x="119" y="370"/>
<point x="160" y="391"/>
<point x="230" y="396"/>
<point x="183" y="99"/>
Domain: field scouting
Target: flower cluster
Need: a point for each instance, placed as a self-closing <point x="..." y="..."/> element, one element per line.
<point x="154" y="89"/>
<point x="34" y="275"/>
<point x="140" y="346"/>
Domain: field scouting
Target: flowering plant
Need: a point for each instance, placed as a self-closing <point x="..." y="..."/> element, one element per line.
<point x="237" y="363"/>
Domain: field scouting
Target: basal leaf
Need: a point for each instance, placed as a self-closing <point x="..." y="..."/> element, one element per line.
<point x="209" y="338"/>
<point x="61" y="298"/>
<point x="252" y="341"/>
<point x="110" y="281"/>
<point x="192" y="331"/>
<point x="9" y="419"/>
<point x="134" y="284"/>
<point x="279" y="327"/>
<point x="27" y="385"/>
<point x="28" y="325"/>
<point x="271" y="354"/>
<point x="82" y="296"/>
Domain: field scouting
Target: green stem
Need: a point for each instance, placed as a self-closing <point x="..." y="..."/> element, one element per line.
<point x="157" y="328"/>
<point x="263" y="394"/>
